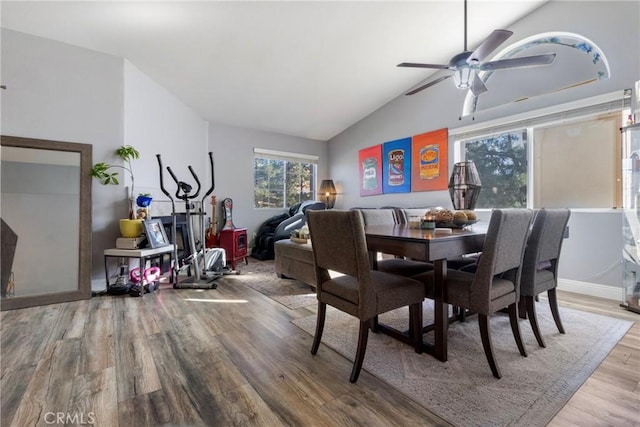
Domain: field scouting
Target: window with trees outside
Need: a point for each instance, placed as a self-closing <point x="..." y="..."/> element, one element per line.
<point x="569" y="160"/>
<point x="501" y="161"/>
<point x="282" y="179"/>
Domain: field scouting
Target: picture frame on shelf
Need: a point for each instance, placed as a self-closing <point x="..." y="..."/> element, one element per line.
<point x="156" y="235"/>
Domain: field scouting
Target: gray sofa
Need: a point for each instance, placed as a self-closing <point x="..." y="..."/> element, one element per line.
<point x="295" y="261"/>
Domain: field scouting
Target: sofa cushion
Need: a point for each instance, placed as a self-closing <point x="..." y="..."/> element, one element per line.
<point x="298" y="251"/>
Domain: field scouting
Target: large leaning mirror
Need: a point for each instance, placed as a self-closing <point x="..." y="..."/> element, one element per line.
<point x="45" y="211"/>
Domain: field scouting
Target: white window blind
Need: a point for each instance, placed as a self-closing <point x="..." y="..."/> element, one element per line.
<point x="615" y="102"/>
<point x="283" y="155"/>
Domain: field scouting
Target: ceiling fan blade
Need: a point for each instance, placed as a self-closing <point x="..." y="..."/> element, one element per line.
<point x="415" y="65"/>
<point x="527" y="61"/>
<point x="477" y="86"/>
<point x="431" y="83"/>
<point x="490" y="44"/>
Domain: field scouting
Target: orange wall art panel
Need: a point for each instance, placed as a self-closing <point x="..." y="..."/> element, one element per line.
<point x="429" y="169"/>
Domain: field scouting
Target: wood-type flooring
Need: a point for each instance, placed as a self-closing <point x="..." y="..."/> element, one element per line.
<point x="230" y="357"/>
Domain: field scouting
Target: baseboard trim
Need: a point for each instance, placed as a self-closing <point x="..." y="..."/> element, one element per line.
<point x="591" y="289"/>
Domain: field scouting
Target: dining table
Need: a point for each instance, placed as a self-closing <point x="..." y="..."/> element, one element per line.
<point x="434" y="246"/>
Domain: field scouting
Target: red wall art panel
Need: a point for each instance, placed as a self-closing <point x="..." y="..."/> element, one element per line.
<point x="370" y="167"/>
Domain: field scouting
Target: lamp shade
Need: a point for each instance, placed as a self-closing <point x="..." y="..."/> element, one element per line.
<point x="464" y="185"/>
<point x="327" y="193"/>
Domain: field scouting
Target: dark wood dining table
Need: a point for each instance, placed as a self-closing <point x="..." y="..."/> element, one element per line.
<point x="434" y="246"/>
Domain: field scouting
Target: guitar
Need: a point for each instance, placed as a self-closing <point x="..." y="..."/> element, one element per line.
<point x="211" y="235"/>
<point x="228" y="214"/>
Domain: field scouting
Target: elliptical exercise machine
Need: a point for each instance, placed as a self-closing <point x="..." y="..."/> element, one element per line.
<point x="208" y="264"/>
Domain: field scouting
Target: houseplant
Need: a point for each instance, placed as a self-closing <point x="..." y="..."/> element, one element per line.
<point x="103" y="171"/>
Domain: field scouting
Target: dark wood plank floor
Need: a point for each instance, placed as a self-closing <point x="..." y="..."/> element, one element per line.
<point x="229" y="357"/>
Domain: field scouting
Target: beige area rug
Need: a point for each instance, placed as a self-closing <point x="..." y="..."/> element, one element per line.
<point x="261" y="276"/>
<point x="462" y="390"/>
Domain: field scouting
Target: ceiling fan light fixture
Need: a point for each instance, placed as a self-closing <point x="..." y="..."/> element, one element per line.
<point x="463" y="77"/>
<point x="467" y="64"/>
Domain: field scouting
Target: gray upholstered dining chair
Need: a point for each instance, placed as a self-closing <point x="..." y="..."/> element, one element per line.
<point x="540" y="266"/>
<point x="339" y="244"/>
<point x="495" y="283"/>
<point x="395" y="265"/>
<point x="379" y="216"/>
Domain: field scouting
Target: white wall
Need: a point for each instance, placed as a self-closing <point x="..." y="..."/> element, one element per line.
<point x="60" y="92"/>
<point x="232" y="148"/>
<point x="613" y="26"/>
<point x="156" y="122"/>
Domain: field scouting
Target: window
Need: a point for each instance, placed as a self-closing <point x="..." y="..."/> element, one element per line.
<point x="282" y="180"/>
<point x="570" y="158"/>
<point x="501" y="160"/>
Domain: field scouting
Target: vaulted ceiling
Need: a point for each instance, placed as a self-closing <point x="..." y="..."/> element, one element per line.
<point x="301" y="68"/>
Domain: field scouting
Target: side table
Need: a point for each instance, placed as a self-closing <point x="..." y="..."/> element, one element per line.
<point x="143" y="255"/>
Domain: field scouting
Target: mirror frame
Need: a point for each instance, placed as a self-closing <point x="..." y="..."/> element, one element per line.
<point x="83" y="290"/>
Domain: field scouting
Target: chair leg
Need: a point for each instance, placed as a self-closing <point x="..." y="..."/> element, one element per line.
<point x="553" y="303"/>
<point x="415" y="326"/>
<point x="322" y="312"/>
<point x="515" y="327"/>
<point x="362" y="348"/>
<point x="374" y="324"/>
<point x="522" y="307"/>
<point x="533" y="319"/>
<point x="483" y="321"/>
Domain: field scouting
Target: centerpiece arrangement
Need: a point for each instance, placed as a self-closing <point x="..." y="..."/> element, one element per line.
<point x="446" y="218"/>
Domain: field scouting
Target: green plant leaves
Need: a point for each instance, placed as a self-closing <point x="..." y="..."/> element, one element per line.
<point x="127" y="152"/>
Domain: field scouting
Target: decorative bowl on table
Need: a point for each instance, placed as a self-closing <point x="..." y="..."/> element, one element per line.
<point x="455" y="224"/>
<point x="446" y="218"/>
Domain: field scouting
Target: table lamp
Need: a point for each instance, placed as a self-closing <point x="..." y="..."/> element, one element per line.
<point x="327" y="193"/>
<point x="464" y="185"/>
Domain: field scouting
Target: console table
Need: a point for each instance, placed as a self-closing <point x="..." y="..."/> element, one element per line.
<point x="143" y="255"/>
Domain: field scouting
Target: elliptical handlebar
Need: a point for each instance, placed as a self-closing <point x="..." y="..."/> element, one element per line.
<point x="213" y="182"/>
<point x="193" y="174"/>
<point x="180" y="186"/>
<point x="164" y="190"/>
<point x="172" y="175"/>
<point x="183" y="191"/>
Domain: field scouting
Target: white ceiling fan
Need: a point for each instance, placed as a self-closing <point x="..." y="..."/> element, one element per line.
<point x="467" y="64"/>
